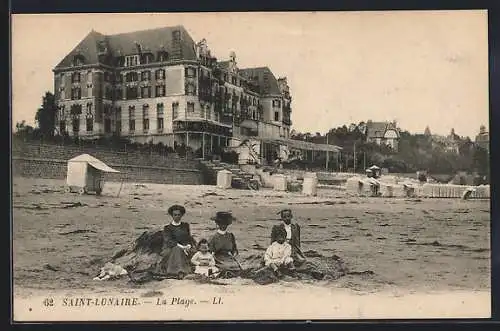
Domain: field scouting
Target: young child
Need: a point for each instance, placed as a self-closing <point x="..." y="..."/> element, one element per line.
<point x="203" y="260"/>
<point x="278" y="256"/>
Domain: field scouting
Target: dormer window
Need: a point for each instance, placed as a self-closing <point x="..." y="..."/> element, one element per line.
<point x="162" y="56"/>
<point x="102" y="47"/>
<point x="132" y="60"/>
<point x="176" y="35"/>
<point x="78" y="60"/>
<point x="147" y="58"/>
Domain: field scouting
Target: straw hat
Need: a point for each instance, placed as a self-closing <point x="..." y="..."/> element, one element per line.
<point x="176" y="207"/>
<point x="223" y="217"/>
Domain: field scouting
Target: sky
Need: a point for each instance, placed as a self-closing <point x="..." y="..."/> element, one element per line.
<point x="420" y="68"/>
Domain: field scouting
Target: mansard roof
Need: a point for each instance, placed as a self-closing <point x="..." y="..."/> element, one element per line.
<point x="130" y="43"/>
<point x="264" y="77"/>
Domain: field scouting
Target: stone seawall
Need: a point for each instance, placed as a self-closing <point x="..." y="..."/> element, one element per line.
<point x="56" y="169"/>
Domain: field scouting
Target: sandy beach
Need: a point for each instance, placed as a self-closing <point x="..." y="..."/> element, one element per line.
<point x="409" y="258"/>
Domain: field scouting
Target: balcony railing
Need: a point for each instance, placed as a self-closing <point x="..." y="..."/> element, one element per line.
<point x="201" y="126"/>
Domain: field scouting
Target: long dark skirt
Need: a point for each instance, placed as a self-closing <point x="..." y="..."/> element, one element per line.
<point x="173" y="262"/>
<point x="227" y="265"/>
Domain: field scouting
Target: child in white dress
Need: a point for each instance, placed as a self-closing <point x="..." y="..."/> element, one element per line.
<point x="278" y="256"/>
<point x="203" y="260"/>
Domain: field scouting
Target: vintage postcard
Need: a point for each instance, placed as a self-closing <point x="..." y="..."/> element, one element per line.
<point x="250" y="166"/>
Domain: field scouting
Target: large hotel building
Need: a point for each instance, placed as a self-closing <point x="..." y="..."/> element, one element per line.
<point x="159" y="85"/>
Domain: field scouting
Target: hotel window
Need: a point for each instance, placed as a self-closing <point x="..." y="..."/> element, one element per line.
<point x="119" y="78"/>
<point x="132" y="60"/>
<point x="159" y="110"/>
<point x="176" y="35"/>
<point x="145" y="124"/>
<point x="190" y="107"/>
<point x="106" y="77"/>
<point x="90" y="124"/>
<point x="148" y="58"/>
<point x="131" y="93"/>
<point x="160" y="74"/>
<point x="209" y="113"/>
<point x="108" y="94"/>
<point x="145" y="111"/>
<point x="190" y="89"/>
<point x="61" y="112"/>
<point x="78" y="60"/>
<point x="76" y="124"/>
<point x="276" y="116"/>
<point x="62" y="126"/>
<point x="76" y="93"/>
<point x="202" y="111"/>
<point x="89" y="76"/>
<point x="145" y="75"/>
<point x="146" y="92"/>
<point x="75" y="77"/>
<point x="118" y="120"/>
<point x="190" y="72"/>
<point x="89" y="109"/>
<point x="277" y="103"/>
<point x="162" y="56"/>
<point x="62" y="94"/>
<point x="107" y="125"/>
<point x="62" y="80"/>
<point x="234" y="80"/>
<point x="160" y="91"/>
<point x="175" y="110"/>
<point x="131" y="77"/>
<point x="131" y="118"/>
<point x="118" y="94"/>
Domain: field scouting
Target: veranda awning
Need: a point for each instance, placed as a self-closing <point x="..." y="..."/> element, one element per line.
<point x="306" y="145"/>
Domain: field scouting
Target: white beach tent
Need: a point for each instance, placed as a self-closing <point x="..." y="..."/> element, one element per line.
<point x="85" y="174"/>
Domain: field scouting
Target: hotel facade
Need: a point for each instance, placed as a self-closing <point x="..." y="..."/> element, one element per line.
<point x="159" y="85"/>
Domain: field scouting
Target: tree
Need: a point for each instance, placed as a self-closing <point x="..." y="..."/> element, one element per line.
<point x="481" y="162"/>
<point x="46" y="116"/>
<point x="24" y="131"/>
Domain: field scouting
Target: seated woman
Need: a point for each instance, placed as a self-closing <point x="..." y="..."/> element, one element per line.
<point x="178" y="246"/>
<point x="278" y="255"/>
<point x="223" y="246"/>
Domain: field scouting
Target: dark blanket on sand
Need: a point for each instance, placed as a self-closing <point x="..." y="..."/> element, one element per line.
<point x="142" y="256"/>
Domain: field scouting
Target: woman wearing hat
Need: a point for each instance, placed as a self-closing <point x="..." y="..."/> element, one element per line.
<point x="178" y="245"/>
<point x="223" y="246"/>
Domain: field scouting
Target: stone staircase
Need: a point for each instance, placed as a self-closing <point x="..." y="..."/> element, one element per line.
<point x="240" y="178"/>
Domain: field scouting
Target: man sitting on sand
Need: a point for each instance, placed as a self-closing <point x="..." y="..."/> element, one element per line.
<point x="292" y="231"/>
<point x="278" y="255"/>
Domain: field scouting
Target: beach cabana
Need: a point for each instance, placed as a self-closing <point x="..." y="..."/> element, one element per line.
<point x="85" y="174"/>
<point x="376" y="171"/>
